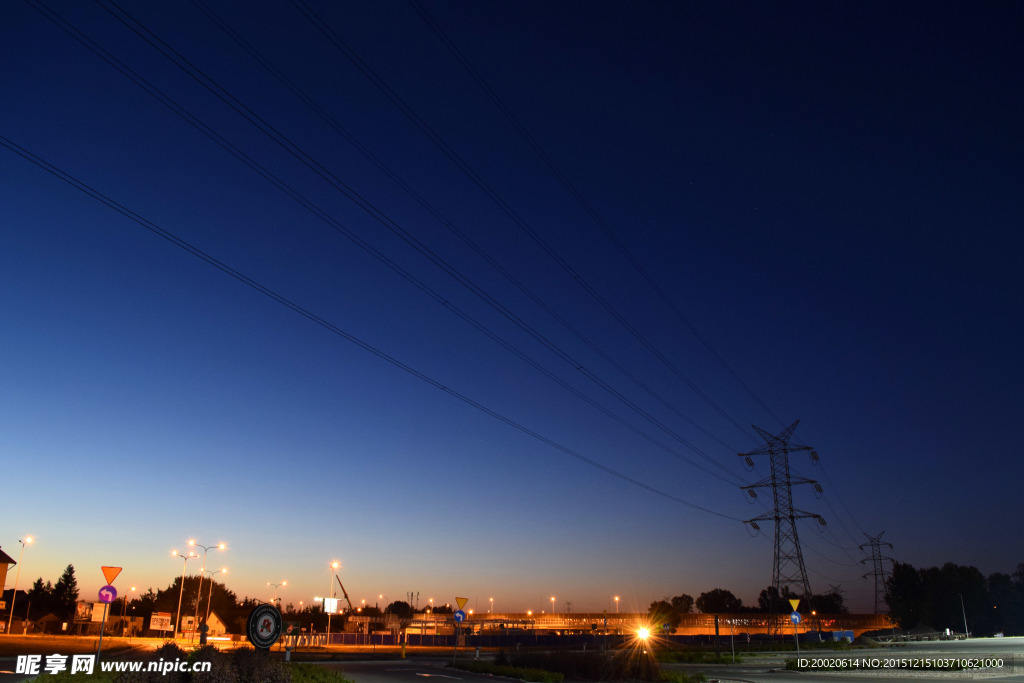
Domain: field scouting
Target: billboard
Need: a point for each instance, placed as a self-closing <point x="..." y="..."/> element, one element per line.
<point x="331" y="605"/>
<point x="161" y="621"/>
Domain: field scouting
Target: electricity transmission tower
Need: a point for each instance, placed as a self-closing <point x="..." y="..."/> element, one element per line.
<point x="876" y="543"/>
<point x="788" y="570"/>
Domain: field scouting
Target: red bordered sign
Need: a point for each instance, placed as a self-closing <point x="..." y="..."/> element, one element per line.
<point x="264" y="626"/>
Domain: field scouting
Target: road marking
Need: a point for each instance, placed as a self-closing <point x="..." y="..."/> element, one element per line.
<point x="454" y="678"/>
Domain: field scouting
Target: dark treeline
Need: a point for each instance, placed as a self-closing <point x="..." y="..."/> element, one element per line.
<point x="721" y="601"/>
<point x="944" y="597"/>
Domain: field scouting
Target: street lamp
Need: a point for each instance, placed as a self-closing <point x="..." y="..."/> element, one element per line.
<point x="28" y="539"/>
<point x="552" y="604"/>
<point x="276" y="586"/>
<point x="124" y="614"/>
<point x="199" y="591"/>
<point x="209" y="598"/>
<point x="181" y="591"/>
<point x="334" y="568"/>
<point x="492" y="605"/>
<point x="616" y="604"/>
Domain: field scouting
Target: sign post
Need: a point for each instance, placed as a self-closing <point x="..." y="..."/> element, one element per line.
<point x="107" y="595"/>
<point x="795" y="618"/>
<point x="459" y="616"/>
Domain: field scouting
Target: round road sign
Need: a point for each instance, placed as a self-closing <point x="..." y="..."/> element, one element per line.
<point x="459" y="615"/>
<point x="795" y="616"/>
<point x="264" y="626"/>
<point x="108" y="594"/>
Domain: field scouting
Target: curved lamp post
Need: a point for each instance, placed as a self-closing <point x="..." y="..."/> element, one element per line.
<point x="276" y="586"/>
<point x="334" y="568"/>
<point x="181" y="591"/>
<point x="199" y="591"/>
<point x="10" y="618"/>
<point x="209" y="598"/>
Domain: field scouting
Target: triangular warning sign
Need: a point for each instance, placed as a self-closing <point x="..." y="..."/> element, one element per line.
<point x="110" y="573"/>
<point x="794" y="602"/>
<point x="462" y="602"/>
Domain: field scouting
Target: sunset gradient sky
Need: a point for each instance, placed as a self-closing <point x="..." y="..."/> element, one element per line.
<point x="482" y="392"/>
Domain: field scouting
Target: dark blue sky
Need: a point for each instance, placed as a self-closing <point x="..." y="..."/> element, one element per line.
<point x="828" y="194"/>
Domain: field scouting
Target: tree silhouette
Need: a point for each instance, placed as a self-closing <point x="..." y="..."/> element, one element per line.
<point x="65" y="594"/>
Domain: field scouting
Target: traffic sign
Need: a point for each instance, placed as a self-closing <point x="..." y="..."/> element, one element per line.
<point x="110" y="573"/>
<point x="459" y="615"/>
<point x="108" y="594"/>
<point x="264" y="626"/>
<point x="795" y="616"/>
<point x="795" y="602"/>
<point x="462" y="602"/>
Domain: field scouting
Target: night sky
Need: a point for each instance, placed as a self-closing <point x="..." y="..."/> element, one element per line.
<point x="483" y="298"/>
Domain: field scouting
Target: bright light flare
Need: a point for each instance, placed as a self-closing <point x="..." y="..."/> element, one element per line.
<point x="643" y="633"/>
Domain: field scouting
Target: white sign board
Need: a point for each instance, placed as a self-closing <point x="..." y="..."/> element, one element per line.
<point x="161" y="621"/>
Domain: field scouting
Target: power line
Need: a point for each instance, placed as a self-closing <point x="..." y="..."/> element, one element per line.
<point x="309" y="315"/>
<point x="576" y="194"/>
<point x="520" y="222"/>
<point x="234" y="103"/>
<point x="322" y="215"/>
<point x="448" y="224"/>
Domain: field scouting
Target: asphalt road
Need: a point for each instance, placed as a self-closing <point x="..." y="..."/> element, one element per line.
<point x="876" y="663"/>
<point x="750" y="669"/>
<point x="432" y="670"/>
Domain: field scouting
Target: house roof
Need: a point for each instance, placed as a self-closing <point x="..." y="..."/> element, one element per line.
<point x="5" y="558"/>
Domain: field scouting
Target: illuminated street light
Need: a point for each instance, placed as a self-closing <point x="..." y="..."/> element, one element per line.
<point x="552" y="604"/>
<point x="616" y="604"/>
<point x="276" y="586"/>
<point x="199" y="591"/>
<point x="10" y="618"/>
<point x="334" y="568"/>
<point x="492" y="605"/>
<point x="209" y="598"/>
<point x="643" y="633"/>
<point x="186" y="558"/>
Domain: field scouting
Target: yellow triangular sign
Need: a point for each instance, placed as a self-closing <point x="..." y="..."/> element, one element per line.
<point x="794" y="602"/>
<point x="462" y="602"/>
<point x="110" y="573"/>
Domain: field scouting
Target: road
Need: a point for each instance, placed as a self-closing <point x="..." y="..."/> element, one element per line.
<point x="432" y="670"/>
<point x="750" y="669"/>
<point x="1009" y="650"/>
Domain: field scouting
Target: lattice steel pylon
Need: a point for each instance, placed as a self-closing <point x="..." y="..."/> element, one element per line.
<point x="788" y="570"/>
<point x="876" y="543"/>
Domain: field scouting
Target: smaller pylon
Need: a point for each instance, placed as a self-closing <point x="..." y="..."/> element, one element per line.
<point x="879" y="572"/>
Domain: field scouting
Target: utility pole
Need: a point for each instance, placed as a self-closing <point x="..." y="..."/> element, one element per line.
<point x="876" y="543"/>
<point x="788" y="570"/>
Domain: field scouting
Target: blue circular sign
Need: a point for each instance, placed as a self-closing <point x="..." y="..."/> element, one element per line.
<point x="108" y="594"/>
<point x="459" y="615"/>
<point x="795" y="616"/>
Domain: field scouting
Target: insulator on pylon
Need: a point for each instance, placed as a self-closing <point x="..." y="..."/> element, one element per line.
<point x="750" y="461"/>
<point x="821" y="521"/>
<point x="814" y="456"/>
<point x="756" y="527"/>
<point x="752" y="492"/>
<point x="817" y="487"/>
